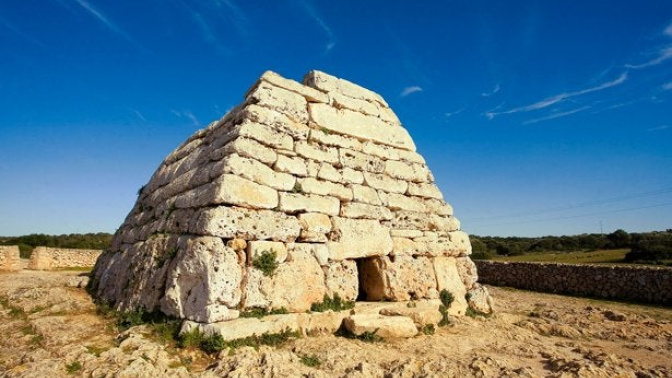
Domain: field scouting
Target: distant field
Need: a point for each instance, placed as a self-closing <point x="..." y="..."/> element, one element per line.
<point x="610" y="256"/>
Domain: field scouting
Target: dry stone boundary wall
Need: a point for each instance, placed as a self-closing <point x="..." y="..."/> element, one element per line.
<point x="632" y="283"/>
<point x="9" y="258"/>
<point x="46" y="258"/>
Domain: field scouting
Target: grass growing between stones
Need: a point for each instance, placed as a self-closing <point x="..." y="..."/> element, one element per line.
<point x="334" y="304"/>
<point x="261" y="312"/>
<point x="447" y="299"/>
<point x="266" y="262"/>
<point x="215" y="343"/>
<point x="367" y="336"/>
<point x="73" y="367"/>
<point x="311" y="360"/>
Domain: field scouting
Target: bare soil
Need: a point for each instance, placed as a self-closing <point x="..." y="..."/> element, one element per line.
<point x="51" y="330"/>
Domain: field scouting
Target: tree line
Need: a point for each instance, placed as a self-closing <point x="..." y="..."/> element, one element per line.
<point x="647" y="247"/>
<point x="27" y="243"/>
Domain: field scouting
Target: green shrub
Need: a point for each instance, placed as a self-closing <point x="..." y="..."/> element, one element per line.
<point x="261" y="312"/>
<point x="446" y="297"/>
<point x="213" y="344"/>
<point x="334" y="304"/>
<point x="428" y="329"/>
<point x="266" y="262"/>
<point x="311" y="360"/>
<point x="73" y="367"/>
<point x="368" y="337"/>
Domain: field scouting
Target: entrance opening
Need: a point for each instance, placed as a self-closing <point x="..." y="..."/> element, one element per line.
<point x="370" y="275"/>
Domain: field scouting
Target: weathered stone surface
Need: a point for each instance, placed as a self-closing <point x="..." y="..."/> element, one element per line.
<point x="406" y="233"/>
<point x="317" y="152"/>
<point x="385" y="183"/>
<point x="298" y="203"/>
<point x="424" y="190"/>
<point x="461" y="241"/>
<point x="367" y="195"/>
<point x="479" y="299"/>
<point x="360" y="161"/>
<point x="381" y="151"/>
<point x="293" y="165"/>
<point x="399" y="279"/>
<point x="364" y="211"/>
<point x="256" y="248"/>
<point x="278" y="121"/>
<point x="235" y="190"/>
<point x="309" y="93"/>
<point x="285" y="288"/>
<point x="204" y="282"/>
<point x="327" y="83"/>
<point x="329" y="173"/>
<point x="360" y="126"/>
<point x="315" y="222"/>
<point x="404" y="246"/>
<point x="422" y="312"/>
<point x="265" y="134"/>
<point x="467" y="270"/>
<point x="246" y="147"/>
<point x="383" y="326"/>
<point x="341" y="278"/>
<point x="334" y="140"/>
<point x="355" y="238"/>
<point x="326" y="188"/>
<point x="48" y="258"/>
<point x="289" y="103"/>
<point x="10" y="258"/>
<point x="351" y="176"/>
<point x="448" y="278"/>
<point x="232" y="222"/>
<point x="258" y="172"/>
<point x="401" y="202"/>
<point x="317" y="250"/>
<point x="407" y="171"/>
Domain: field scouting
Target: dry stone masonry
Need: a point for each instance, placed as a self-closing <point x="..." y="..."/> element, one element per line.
<point x="47" y="258"/>
<point x="323" y="175"/>
<point x="9" y="258"/>
<point x="632" y="283"/>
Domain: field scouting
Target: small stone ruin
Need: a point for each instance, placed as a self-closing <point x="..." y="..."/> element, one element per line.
<point x="320" y="176"/>
<point x="10" y="260"/>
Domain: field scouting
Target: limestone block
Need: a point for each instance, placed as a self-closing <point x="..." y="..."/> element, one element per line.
<point x="10" y="258"/>
<point x="404" y="246"/>
<point x="246" y="327"/>
<point x="248" y="148"/>
<point x="365" y="194"/>
<point x="285" y="288"/>
<point x="341" y="278"/>
<point x="381" y="151"/>
<point x="298" y="203"/>
<point x="363" y="211"/>
<point x="448" y="278"/>
<point x="235" y="190"/>
<point x="311" y="94"/>
<point x="401" y="202"/>
<point x="424" y="190"/>
<point x="316" y="152"/>
<point x="403" y="278"/>
<point x="410" y="234"/>
<point x="315" y="222"/>
<point x="436" y="246"/>
<point x="360" y="126"/>
<point x="258" y="172"/>
<point x="293" y="165"/>
<point x="414" y="220"/>
<point x="479" y="299"/>
<point x="423" y="312"/>
<point x="276" y="120"/>
<point x="411" y="156"/>
<point x="329" y="173"/>
<point x="351" y="176"/>
<point x="265" y="134"/>
<point x="340" y="101"/>
<point x="387" y="115"/>
<point x="383" y="326"/>
<point x="204" y="282"/>
<point x="461" y="241"/>
<point x="327" y="83"/>
<point x="313" y="167"/>
<point x="355" y="238"/>
<point x="289" y="103"/>
<point x="325" y="188"/>
<point x="407" y="171"/>
<point x="468" y="271"/>
<point x="235" y="222"/>
<point x="384" y="182"/>
<point x="361" y="161"/>
<point x="329" y="139"/>
<point x="237" y="244"/>
<point x="312" y="237"/>
<point x="319" y="251"/>
<point x="256" y="248"/>
<point x="438" y="207"/>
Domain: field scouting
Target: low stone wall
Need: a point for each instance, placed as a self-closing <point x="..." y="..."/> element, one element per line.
<point x="46" y="258"/>
<point x="9" y="258"/>
<point x="632" y="283"/>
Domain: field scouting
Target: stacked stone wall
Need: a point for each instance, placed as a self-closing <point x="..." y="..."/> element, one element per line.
<point x="321" y="173"/>
<point x="631" y="283"/>
<point x="47" y="258"/>
<point x="9" y="258"/>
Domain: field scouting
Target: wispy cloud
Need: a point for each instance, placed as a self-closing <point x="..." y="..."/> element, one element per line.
<point x="98" y="15"/>
<point x="560" y="97"/>
<point x="139" y="115"/>
<point x="187" y="114"/>
<point x="668" y="30"/>
<point x="315" y="16"/>
<point x="556" y="115"/>
<point x="659" y="128"/>
<point x="667" y="86"/>
<point x="492" y="92"/>
<point x="237" y="17"/>
<point x="663" y="55"/>
<point x="409" y="90"/>
<point x="447" y="115"/>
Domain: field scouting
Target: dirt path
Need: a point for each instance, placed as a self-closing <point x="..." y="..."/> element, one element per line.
<point x="50" y="329"/>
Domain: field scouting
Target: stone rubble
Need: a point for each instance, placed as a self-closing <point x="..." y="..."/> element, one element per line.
<point x="321" y="173"/>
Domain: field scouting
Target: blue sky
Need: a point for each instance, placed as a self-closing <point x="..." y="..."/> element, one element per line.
<point x="536" y="117"/>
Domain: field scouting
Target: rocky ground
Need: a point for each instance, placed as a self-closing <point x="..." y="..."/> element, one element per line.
<point x="50" y="330"/>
